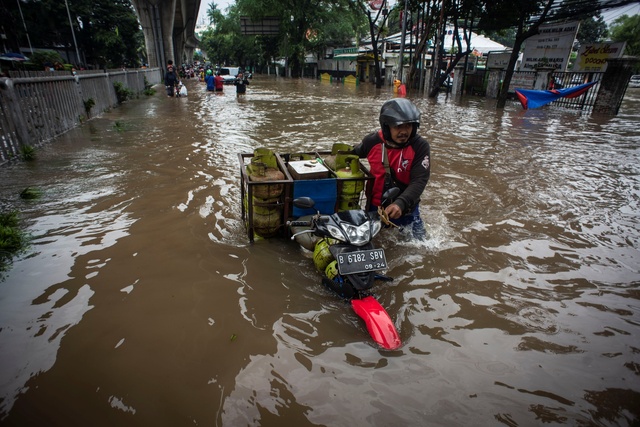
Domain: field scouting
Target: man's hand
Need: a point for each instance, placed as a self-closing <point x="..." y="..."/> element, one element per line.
<point x="393" y="211"/>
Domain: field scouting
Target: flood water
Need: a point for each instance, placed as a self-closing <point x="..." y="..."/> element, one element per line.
<point x="141" y="301"/>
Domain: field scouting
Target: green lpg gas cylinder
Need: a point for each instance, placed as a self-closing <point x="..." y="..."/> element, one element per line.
<point x="347" y="203"/>
<point x="321" y="254"/>
<point x="265" y="206"/>
<point x="340" y="146"/>
<point x="338" y="151"/>
<point x="260" y="172"/>
<point x="266" y="156"/>
<point x="332" y="270"/>
<point x="352" y="172"/>
<point x="352" y="184"/>
<point x="266" y="225"/>
<point x="263" y="168"/>
<point x="266" y="216"/>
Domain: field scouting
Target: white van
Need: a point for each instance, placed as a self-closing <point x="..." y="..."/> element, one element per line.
<point x="229" y="74"/>
<point x="634" y="81"/>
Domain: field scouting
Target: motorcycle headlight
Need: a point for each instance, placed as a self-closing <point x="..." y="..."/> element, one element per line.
<point x="336" y="233"/>
<point x="375" y="228"/>
<point x="356" y="235"/>
<point x="360" y="235"/>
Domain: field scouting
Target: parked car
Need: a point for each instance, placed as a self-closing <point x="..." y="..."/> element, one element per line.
<point x="634" y="81"/>
<point x="229" y="74"/>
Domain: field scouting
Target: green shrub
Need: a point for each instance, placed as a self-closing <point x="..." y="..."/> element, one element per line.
<point x="30" y="193"/>
<point x="119" y="126"/>
<point x="12" y="239"/>
<point x="88" y="105"/>
<point x="148" y="88"/>
<point x="122" y="93"/>
<point x="38" y="59"/>
<point x="27" y="153"/>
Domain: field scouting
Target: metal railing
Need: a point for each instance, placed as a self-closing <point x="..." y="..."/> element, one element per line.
<point x="570" y="79"/>
<point x="38" y="107"/>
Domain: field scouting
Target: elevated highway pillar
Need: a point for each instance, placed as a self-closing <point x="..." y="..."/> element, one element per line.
<point x="169" y="29"/>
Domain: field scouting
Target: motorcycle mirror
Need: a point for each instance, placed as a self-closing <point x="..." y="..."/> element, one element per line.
<point x="304" y="203"/>
<point x="390" y="195"/>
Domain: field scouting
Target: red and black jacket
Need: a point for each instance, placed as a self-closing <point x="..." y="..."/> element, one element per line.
<point x="410" y="167"/>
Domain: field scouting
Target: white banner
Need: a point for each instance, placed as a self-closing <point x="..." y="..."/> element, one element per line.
<point x="593" y="57"/>
<point x="522" y="81"/>
<point x="551" y="47"/>
<point x="498" y="60"/>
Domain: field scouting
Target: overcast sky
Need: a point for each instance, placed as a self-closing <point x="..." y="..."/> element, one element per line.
<point x="630" y="9"/>
<point x="220" y="4"/>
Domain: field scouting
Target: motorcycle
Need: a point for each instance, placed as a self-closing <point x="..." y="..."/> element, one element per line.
<point x="348" y="261"/>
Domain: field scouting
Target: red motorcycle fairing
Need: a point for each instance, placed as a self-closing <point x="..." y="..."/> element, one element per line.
<point x="378" y="322"/>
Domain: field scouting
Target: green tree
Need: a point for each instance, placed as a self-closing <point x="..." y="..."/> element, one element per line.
<point x="107" y="31"/>
<point x="592" y="26"/>
<point x="593" y="29"/>
<point x="627" y="29"/>
<point x="304" y="24"/>
<point x="336" y="30"/>
<point x="377" y="18"/>
<point x="224" y="44"/>
<point x="214" y="14"/>
<point x="463" y="16"/>
<point x="506" y="36"/>
<point x="44" y="57"/>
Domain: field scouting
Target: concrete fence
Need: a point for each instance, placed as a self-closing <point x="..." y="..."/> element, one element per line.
<point x="34" y="110"/>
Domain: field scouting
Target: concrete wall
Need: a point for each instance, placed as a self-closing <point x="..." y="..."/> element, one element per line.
<point x="613" y="85"/>
<point x="36" y="109"/>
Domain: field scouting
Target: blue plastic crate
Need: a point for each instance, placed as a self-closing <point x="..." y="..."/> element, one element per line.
<point x="323" y="192"/>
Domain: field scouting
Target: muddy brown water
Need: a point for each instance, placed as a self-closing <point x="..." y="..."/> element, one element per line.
<point x="141" y="301"/>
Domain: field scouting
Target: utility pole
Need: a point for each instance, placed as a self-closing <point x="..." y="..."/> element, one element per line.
<point x="73" y="33"/>
<point x="404" y="30"/>
<point x="25" y="26"/>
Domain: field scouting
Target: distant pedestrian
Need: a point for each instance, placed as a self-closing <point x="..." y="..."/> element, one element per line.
<point x="219" y="82"/>
<point x="210" y="80"/>
<point x="241" y="83"/>
<point x="170" y="80"/>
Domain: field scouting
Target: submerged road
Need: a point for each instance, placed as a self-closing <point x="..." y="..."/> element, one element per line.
<point x="141" y="301"/>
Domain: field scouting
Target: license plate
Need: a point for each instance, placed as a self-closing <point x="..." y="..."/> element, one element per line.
<point x="361" y="261"/>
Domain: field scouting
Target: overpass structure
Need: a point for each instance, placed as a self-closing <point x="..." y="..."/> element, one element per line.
<point x="169" y="29"/>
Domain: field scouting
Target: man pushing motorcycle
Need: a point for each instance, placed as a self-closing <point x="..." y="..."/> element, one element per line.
<point x="398" y="157"/>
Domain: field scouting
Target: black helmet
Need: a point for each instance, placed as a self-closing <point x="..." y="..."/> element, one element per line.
<point x="398" y="111"/>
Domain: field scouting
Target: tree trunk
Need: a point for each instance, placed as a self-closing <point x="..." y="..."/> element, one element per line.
<point x="376" y="58"/>
<point x="504" y="89"/>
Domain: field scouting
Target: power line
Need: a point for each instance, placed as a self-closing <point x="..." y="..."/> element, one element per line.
<point x="626" y="10"/>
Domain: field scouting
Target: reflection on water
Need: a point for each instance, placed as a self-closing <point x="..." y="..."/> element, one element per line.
<point x="141" y="301"/>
